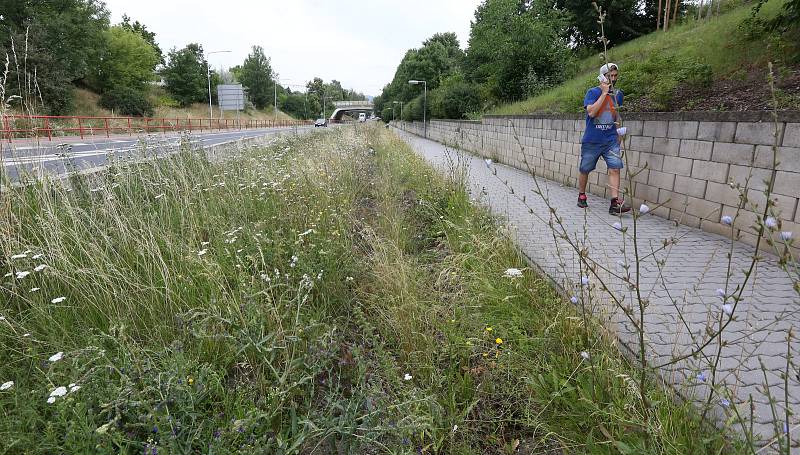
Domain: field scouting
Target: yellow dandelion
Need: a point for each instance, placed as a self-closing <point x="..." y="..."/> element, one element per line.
<point x="190" y="380"/>
<point x="499" y="341"/>
<point x="488" y="329"/>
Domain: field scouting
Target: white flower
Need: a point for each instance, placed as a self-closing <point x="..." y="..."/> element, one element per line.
<point x="26" y="335"/>
<point x="2" y="318"/>
<point x="7" y="385"/>
<point x="19" y="256"/>
<point x="512" y="273"/>
<point x="771" y="222"/>
<point x="51" y="400"/>
<point x="407" y="377"/>
<point x="37" y="256"/>
<point x="204" y="243"/>
<point x="727" y="308"/>
<point x="727" y="220"/>
<point x="40" y="267"/>
<point x="58" y="300"/>
<point x="585" y="355"/>
<point x="786" y="235"/>
<point x="644" y="209"/>
<point x="488" y="162"/>
<point x="202" y="252"/>
<point x="56" y="357"/>
<point x="585" y="280"/>
<point x="35" y="289"/>
<point x="59" y="392"/>
<point x="721" y="292"/>
<point x="74" y="388"/>
<point x="21" y="275"/>
<point x="574" y="300"/>
<point x="617" y="226"/>
<point x="306" y="233"/>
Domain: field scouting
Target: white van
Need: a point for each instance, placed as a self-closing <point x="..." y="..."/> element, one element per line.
<point x="362" y="117"/>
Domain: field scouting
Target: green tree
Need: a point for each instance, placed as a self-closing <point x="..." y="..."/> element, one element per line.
<point x="625" y="20"/>
<point x="518" y="48"/>
<point x="126" y="68"/>
<point x="148" y="36"/>
<point x="185" y="75"/>
<point x="454" y="98"/>
<point x="55" y="44"/>
<point x="257" y="77"/>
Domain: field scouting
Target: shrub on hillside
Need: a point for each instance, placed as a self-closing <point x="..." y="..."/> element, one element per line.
<point x="127" y="101"/>
<point x="660" y="75"/>
<point x="454" y="98"/>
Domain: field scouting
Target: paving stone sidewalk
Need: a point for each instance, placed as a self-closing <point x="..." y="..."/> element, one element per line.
<point x="682" y="293"/>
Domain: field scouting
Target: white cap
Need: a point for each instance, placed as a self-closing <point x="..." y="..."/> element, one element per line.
<point x="608" y="67"/>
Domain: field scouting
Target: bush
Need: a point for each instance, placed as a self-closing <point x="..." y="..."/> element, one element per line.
<point x="454" y="98"/>
<point x="127" y="101"/>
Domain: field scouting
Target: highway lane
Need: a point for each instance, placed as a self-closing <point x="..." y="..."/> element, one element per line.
<point x="59" y="158"/>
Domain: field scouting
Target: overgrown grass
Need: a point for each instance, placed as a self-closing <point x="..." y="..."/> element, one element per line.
<point x="653" y="64"/>
<point x="322" y="294"/>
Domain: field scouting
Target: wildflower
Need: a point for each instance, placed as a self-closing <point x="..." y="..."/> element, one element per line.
<point x="574" y="300"/>
<point x="74" y="388"/>
<point x="488" y="329"/>
<point x="40" y="267"/>
<point x="37" y="256"/>
<point x="725" y="403"/>
<point x="786" y="235"/>
<point x="512" y="273"/>
<point x="19" y="256"/>
<point x="349" y="278"/>
<point x="585" y="355"/>
<point x="644" y="209"/>
<point x="771" y="222"/>
<point x="7" y="385"/>
<point x="202" y="252"/>
<point x="58" y="392"/>
<point x="721" y="292"/>
<point x="727" y="309"/>
<point x="2" y="318"/>
<point x="103" y="429"/>
<point x="486" y="354"/>
<point x="35" y="289"/>
<point x="701" y="376"/>
<point x="727" y="220"/>
<point x="205" y="243"/>
<point x="407" y="377"/>
<point x="190" y="380"/>
<point x="21" y="275"/>
<point x="585" y="280"/>
<point x="488" y="162"/>
<point x="56" y="357"/>
<point x="617" y="226"/>
<point x="498" y="340"/>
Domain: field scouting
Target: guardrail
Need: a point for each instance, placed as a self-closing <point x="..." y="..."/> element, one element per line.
<point x="25" y="126"/>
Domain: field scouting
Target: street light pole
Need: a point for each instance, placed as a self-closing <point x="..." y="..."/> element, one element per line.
<point x="425" y="103"/>
<point x="401" y="108"/>
<point x="208" y="75"/>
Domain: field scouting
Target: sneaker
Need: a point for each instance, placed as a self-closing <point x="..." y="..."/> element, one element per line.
<point x="582" y="201"/>
<point x="618" y="207"/>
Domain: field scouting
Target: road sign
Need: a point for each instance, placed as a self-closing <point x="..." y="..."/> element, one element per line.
<point x="231" y="97"/>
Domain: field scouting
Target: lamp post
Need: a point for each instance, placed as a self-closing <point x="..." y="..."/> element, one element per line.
<point x="424" y="103"/>
<point x="401" y="108"/>
<point x="208" y="75"/>
<point x="391" y="109"/>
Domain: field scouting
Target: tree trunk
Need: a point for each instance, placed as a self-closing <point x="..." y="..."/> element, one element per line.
<point x="658" y="15"/>
<point x="675" y="12"/>
<point x="699" y="10"/>
<point x="666" y="17"/>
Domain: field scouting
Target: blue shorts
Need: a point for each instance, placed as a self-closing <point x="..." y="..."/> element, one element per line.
<point x="591" y="152"/>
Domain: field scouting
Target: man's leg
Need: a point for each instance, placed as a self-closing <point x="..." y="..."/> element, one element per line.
<point x="613" y="182"/>
<point x="582" y="180"/>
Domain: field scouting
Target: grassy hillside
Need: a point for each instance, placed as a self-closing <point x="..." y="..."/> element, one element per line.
<point x="88" y="103"/>
<point x="706" y="65"/>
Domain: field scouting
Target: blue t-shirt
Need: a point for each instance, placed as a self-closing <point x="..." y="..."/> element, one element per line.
<point x="601" y="129"/>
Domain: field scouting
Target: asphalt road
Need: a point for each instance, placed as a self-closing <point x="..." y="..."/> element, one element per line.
<point x="60" y="156"/>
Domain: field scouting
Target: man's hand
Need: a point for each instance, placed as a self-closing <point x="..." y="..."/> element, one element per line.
<point x="605" y="87"/>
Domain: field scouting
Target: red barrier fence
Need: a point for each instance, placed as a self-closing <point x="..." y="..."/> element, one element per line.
<point x="22" y="126"/>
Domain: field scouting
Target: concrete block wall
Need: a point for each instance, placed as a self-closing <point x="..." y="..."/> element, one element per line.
<point x="687" y="164"/>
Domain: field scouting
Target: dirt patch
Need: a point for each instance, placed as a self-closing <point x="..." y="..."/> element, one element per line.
<point x="745" y="90"/>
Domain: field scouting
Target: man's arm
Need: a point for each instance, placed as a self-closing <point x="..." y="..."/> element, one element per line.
<point x="594" y="109"/>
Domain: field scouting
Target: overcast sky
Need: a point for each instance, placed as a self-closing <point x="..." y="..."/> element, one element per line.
<point x="359" y="43"/>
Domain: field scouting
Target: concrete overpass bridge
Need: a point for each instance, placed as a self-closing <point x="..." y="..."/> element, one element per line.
<point x="351" y="108"/>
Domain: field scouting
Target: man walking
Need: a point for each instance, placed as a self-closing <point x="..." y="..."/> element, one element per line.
<point x="601" y="138"/>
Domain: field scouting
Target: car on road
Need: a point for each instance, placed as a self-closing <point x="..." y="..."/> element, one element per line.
<point x="320" y="122"/>
<point x="362" y="117"/>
